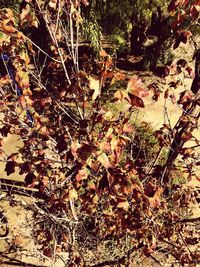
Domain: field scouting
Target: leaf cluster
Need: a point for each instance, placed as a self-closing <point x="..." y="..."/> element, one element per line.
<point x="80" y="155"/>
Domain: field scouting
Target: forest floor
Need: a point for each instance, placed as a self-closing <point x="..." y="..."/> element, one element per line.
<point x="156" y="113"/>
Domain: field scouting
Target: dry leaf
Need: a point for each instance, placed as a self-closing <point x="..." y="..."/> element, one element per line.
<point x="95" y="84"/>
<point x="155" y="201"/>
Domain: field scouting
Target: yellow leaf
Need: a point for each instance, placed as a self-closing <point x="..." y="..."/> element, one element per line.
<point x="114" y="142"/>
<point x="73" y="195"/>
<point x="120" y="95"/>
<point x="24" y="56"/>
<point x="53" y="4"/>
<point x="4" y="39"/>
<point x="25" y="12"/>
<point x="104" y="160"/>
<point x="123" y="205"/>
<point x="95" y="199"/>
<point x="6" y="27"/>
<point x="35" y="23"/>
<point x="108" y="115"/>
<point x="44" y="130"/>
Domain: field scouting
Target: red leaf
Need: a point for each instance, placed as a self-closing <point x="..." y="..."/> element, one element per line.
<point x="182" y="37"/>
<point x="85" y="2"/>
<point x="10" y="167"/>
<point x="82" y="174"/>
<point x="185" y="97"/>
<point x="186" y="136"/>
<point x="190" y="71"/>
<point x="30" y="179"/>
<point x="136" y="101"/>
<point x="195" y="9"/>
<point x="134" y="87"/>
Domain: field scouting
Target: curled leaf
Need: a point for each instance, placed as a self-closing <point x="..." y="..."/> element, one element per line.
<point x="136" y="101"/>
<point x="95" y="84"/>
<point x="155" y="201"/>
<point x="104" y="160"/>
<point x="135" y="87"/>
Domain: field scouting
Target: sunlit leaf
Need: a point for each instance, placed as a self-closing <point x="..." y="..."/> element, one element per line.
<point x="95" y="199"/>
<point x="123" y="205"/>
<point x="103" y="53"/>
<point x="53" y="4"/>
<point x="22" y="78"/>
<point x="95" y="84"/>
<point x="114" y="142"/>
<point x="7" y="26"/>
<point x="155" y="201"/>
<point x="120" y="95"/>
<point x="73" y="195"/>
<point x="104" y="160"/>
<point x="134" y="87"/>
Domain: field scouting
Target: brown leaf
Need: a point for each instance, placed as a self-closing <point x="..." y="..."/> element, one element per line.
<point x="136" y="101"/>
<point x="103" y="53"/>
<point x="185" y="97"/>
<point x="186" y="136"/>
<point x="155" y="201"/>
<point x="134" y="87"/>
<point x="22" y="101"/>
